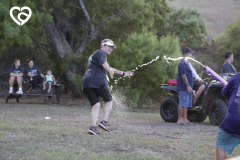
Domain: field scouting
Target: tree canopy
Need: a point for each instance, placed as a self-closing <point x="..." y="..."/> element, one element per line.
<point x="64" y="33"/>
<point x="229" y="41"/>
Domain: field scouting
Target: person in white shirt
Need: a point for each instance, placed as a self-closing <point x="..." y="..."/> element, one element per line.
<point x="198" y="85"/>
<point x="48" y="79"/>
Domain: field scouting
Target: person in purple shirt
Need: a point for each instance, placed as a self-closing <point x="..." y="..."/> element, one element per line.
<point x="229" y="132"/>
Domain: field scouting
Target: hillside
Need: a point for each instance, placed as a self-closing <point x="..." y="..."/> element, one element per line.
<point x="216" y="13"/>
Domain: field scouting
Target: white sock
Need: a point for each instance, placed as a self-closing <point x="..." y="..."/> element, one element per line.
<point x="11" y="88"/>
<point x="20" y="88"/>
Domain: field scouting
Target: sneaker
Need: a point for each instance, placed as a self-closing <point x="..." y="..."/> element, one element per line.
<point x="10" y="91"/>
<point x="19" y="92"/>
<point x="104" y="125"/>
<point x="195" y="107"/>
<point x="33" y="91"/>
<point x="93" y="131"/>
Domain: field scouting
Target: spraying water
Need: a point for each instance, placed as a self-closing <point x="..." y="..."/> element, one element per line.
<point x="145" y="64"/>
<point x="209" y="70"/>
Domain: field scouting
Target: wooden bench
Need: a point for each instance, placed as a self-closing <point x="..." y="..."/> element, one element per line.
<point x="56" y="92"/>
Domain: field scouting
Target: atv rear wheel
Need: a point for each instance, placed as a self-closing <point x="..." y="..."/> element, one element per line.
<point x="196" y="117"/>
<point x="217" y="112"/>
<point x="169" y="109"/>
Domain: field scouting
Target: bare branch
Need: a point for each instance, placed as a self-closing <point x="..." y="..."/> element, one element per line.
<point x="85" y="11"/>
<point x="113" y="15"/>
<point x="89" y="36"/>
<point x="97" y="9"/>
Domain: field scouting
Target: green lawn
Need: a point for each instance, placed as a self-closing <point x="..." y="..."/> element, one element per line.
<point x="25" y="134"/>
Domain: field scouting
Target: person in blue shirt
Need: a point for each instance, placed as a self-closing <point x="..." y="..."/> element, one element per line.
<point x="229" y="131"/>
<point x="16" y="76"/>
<point x="184" y="87"/>
<point x="33" y="74"/>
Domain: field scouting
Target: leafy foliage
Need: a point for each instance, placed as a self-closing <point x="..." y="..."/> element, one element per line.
<point x="229" y="41"/>
<point x="186" y="24"/>
<point x="139" y="49"/>
<point x="142" y="30"/>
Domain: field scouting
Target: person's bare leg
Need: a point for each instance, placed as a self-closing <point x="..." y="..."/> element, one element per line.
<point x="220" y="154"/>
<point x="94" y="113"/>
<point x="19" y="81"/>
<point x="180" y="114"/>
<point x="185" y="109"/>
<point x="200" y="90"/>
<point x="107" y="109"/>
<point x="11" y="81"/>
<point x="49" y="86"/>
<point x="44" y="85"/>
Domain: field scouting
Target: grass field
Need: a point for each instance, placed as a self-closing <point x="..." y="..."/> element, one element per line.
<point x="137" y="134"/>
<point x="216" y="13"/>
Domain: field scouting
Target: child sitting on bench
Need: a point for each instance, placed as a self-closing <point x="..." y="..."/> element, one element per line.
<point x="48" y="79"/>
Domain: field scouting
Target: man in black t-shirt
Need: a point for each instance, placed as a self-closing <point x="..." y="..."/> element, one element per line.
<point x="95" y="84"/>
<point x="227" y="67"/>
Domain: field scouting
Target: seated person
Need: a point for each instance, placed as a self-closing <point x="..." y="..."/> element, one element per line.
<point x="198" y="85"/>
<point x="16" y="76"/>
<point x="33" y="74"/>
<point x="49" y="80"/>
<point x="227" y="67"/>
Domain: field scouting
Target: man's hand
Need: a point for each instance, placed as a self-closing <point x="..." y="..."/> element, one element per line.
<point x="202" y="81"/>
<point x="189" y="89"/>
<point x="42" y="75"/>
<point x="129" y="74"/>
<point x="111" y="72"/>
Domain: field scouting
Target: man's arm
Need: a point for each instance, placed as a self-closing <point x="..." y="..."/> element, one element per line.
<point x="110" y="71"/>
<point x="30" y="74"/>
<point x="185" y="80"/>
<point x="16" y="74"/>
<point x="128" y="74"/>
<point x="226" y="90"/>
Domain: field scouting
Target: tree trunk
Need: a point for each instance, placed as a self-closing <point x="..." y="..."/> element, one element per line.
<point x="62" y="47"/>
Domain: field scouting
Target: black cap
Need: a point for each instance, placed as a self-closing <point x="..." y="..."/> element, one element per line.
<point x="188" y="50"/>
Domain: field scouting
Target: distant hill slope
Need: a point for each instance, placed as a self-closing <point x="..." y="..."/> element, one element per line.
<point x="216" y="13"/>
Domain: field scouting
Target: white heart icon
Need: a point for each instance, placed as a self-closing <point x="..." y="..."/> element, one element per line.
<point x="22" y="22"/>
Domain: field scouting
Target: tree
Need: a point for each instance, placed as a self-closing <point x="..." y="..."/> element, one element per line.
<point x="68" y="31"/>
<point x="229" y="41"/>
<point x="186" y="24"/>
<point x="92" y="19"/>
<point x="138" y="49"/>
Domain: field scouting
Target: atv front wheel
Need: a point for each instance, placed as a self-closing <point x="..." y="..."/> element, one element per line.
<point x="169" y="109"/>
<point x="217" y="112"/>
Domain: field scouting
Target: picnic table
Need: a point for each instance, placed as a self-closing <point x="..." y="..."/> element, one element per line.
<point x="55" y="92"/>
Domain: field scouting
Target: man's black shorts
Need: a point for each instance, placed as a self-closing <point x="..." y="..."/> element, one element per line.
<point x="94" y="93"/>
<point x="196" y="85"/>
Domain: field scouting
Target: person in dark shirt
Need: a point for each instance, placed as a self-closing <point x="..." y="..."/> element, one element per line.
<point x="184" y="87"/>
<point x="95" y="84"/>
<point x="227" y="67"/>
<point x="33" y="74"/>
<point x="16" y="76"/>
<point x="229" y="132"/>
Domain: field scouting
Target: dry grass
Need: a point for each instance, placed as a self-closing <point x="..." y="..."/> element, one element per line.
<point x="216" y="13"/>
<point x="25" y="134"/>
